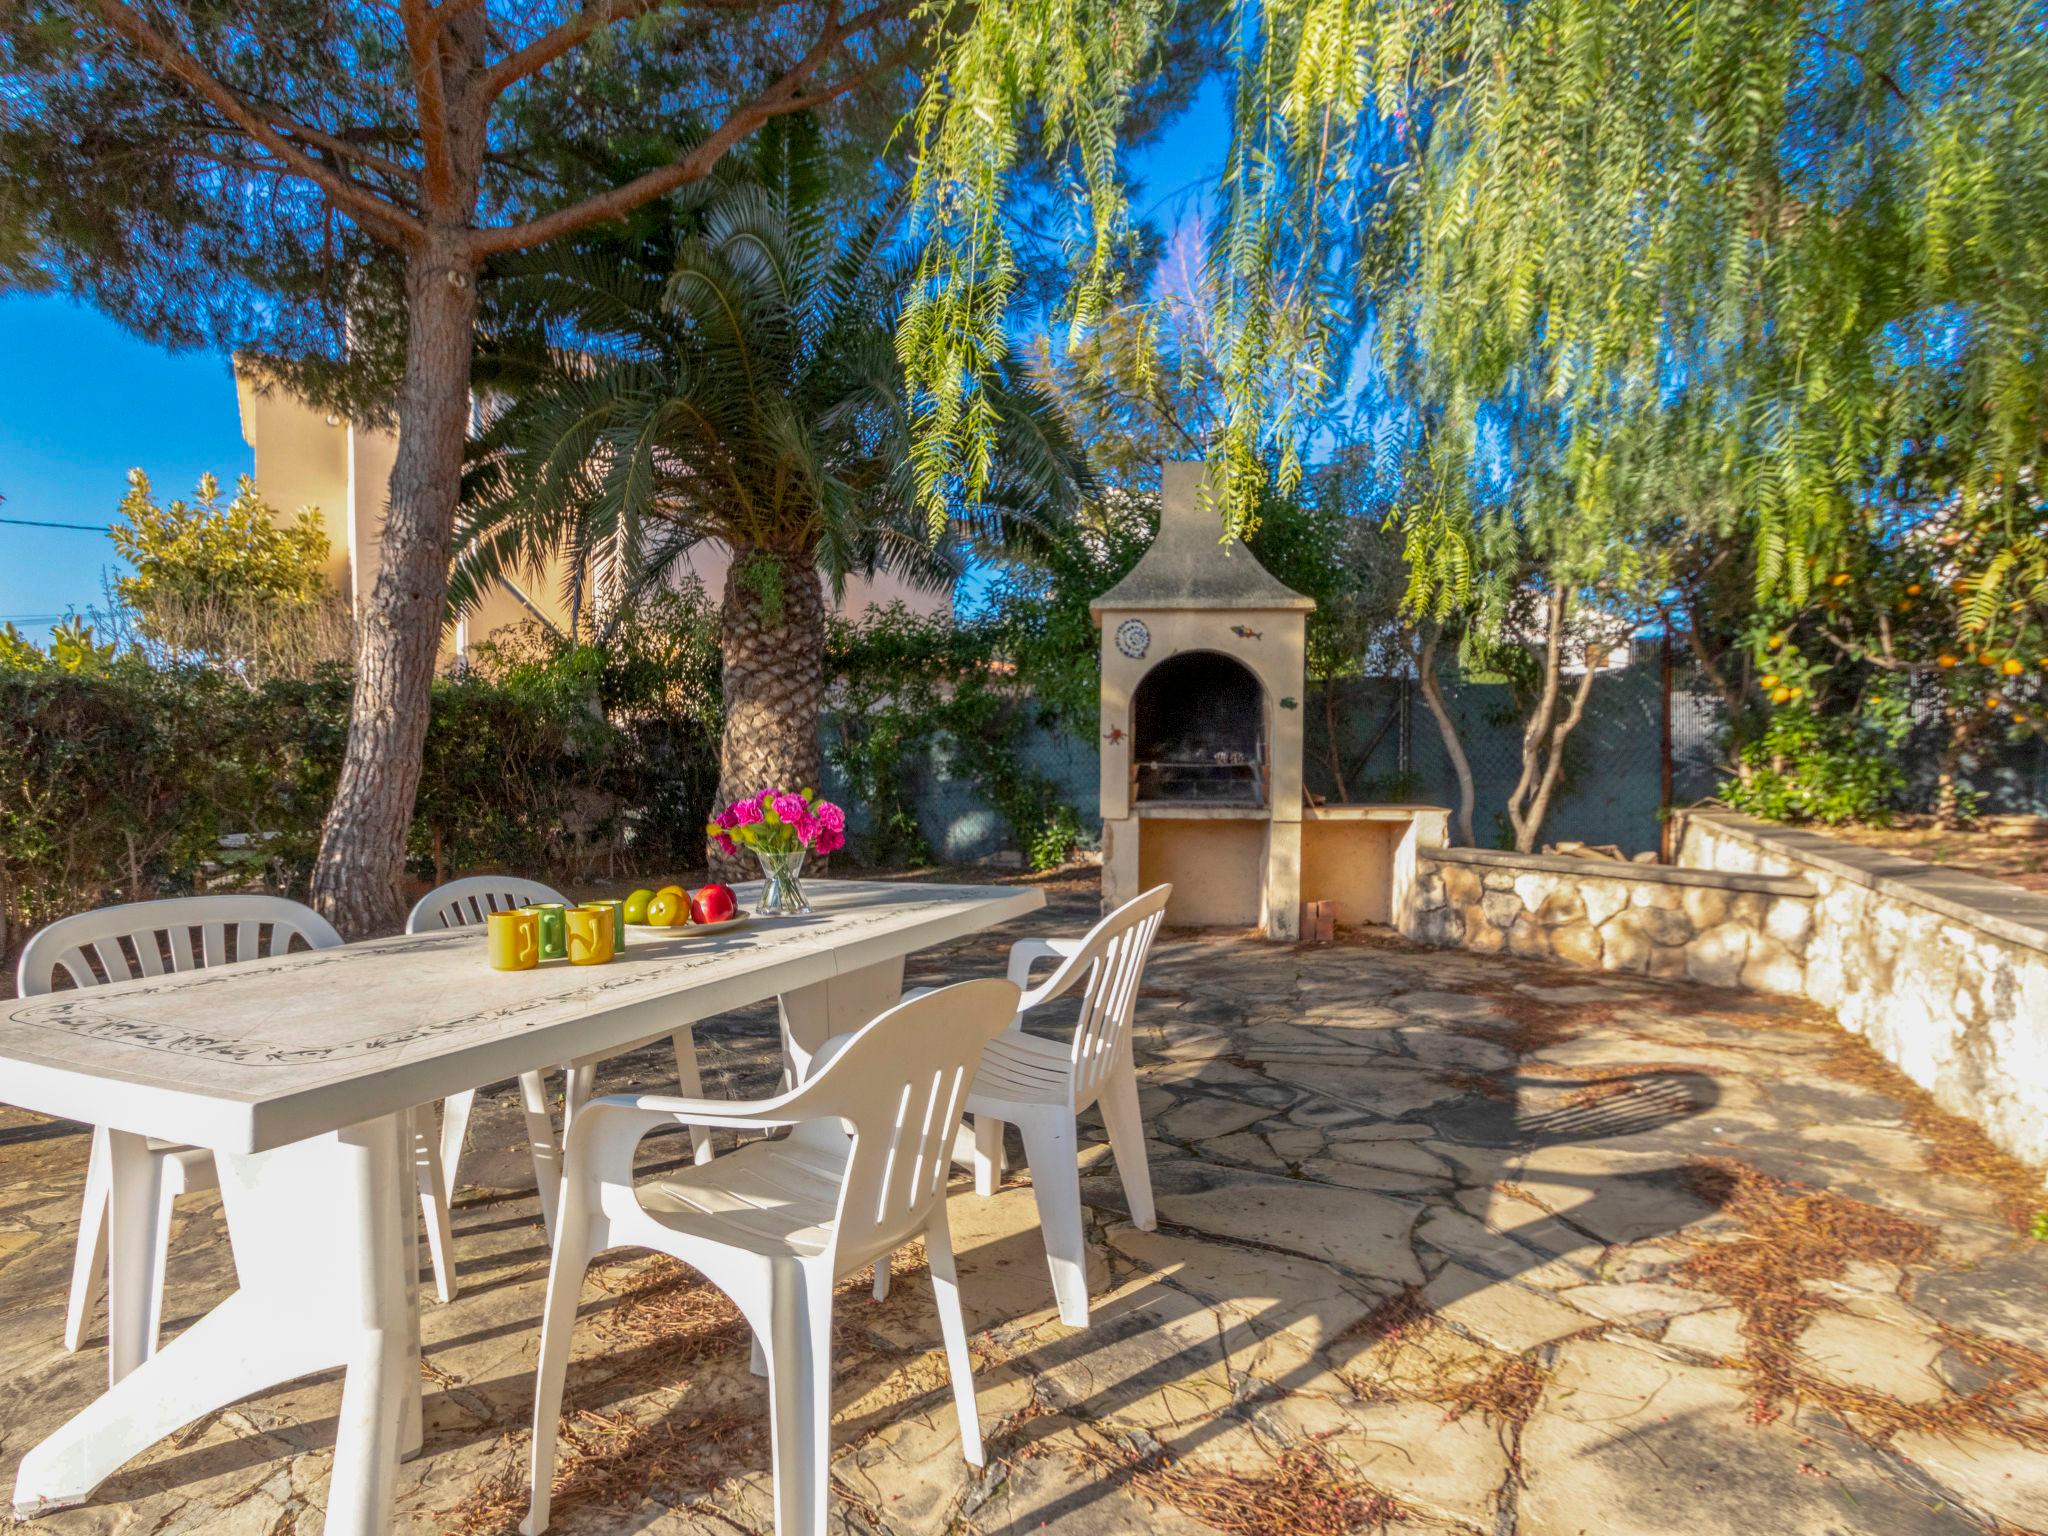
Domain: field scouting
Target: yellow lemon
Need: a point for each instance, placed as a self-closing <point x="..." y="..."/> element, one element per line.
<point x="666" y="908"/>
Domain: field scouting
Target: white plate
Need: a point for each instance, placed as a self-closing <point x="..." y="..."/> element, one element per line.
<point x="685" y="930"/>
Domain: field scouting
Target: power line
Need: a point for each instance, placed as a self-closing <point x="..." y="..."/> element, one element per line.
<point x="29" y="522"/>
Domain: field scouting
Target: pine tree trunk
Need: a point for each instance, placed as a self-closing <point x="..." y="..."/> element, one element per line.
<point x="356" y="881"/>
<point x="772" y="640"/>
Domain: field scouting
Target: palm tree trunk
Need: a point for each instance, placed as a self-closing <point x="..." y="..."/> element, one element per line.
<point x="772" y="639"/>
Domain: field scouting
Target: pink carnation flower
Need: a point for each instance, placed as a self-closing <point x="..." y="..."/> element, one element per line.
<point x="727" y="845"/>
<point x="791" y="808"/>
<point x="727" y="819"/>
<point x="830" y="841"/>
<point x="745" y="813"/>
<point x="830" y="817"/>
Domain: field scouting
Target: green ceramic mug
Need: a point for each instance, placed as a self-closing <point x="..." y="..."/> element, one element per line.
<point x="554" y="933"/>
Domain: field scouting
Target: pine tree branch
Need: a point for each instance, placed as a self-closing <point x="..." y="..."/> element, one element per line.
<point x="422" y="42"/>
<point x="339" y="144"/>
<point x="391" y="222"/>
<point x="779" y="98"/>
<point x="549" y="46"/>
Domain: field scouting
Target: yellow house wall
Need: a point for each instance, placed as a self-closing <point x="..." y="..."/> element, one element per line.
<point x="307" y="457"/>
<point x="302" y="460"/>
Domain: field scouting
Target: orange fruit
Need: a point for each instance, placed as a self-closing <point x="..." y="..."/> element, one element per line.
<point x="1944" y="660"/>
<point x="2013" y="666"/>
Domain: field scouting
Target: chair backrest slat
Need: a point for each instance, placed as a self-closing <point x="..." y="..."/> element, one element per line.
<point x="467" y="902"/>
<point x="1113" y="953"/>
<point x="149" y="938"/>
<point x="898" y="1085"/>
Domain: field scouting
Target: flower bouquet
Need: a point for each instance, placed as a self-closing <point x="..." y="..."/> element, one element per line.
<point x="780" y="827"/>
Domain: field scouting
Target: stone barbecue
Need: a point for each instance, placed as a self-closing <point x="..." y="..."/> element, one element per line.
<point x="1203" y="664"/>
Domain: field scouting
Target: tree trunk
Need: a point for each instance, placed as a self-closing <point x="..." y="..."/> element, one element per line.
<point x="1447" y="728"/>
<point x="1544" y="737"/>
<point x="772" y="641"/>
<point x="356" y="881"/>
<point x="1331" y="745"/>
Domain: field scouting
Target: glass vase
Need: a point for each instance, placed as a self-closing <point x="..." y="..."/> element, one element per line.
<point x="782" y="891"/>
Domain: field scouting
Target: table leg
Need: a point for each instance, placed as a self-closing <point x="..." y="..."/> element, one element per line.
<point x="690" y="1084"/>
<point x="814" y="1014"/>
<point x="375" y="1392"/>
<point x="134" y="1213"/>
<point x="320" y="1235"/>
<point x="545" y="1143"/>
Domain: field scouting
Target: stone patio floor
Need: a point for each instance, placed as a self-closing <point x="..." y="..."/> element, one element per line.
<point x="1446" y="1244"/>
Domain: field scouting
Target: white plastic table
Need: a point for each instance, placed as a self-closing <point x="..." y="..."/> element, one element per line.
<point x="299" y="1071"/>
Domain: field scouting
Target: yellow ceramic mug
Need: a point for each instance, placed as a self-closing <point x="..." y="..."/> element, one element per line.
<point x="590" y="935"/>
<point x="514" y="941"/>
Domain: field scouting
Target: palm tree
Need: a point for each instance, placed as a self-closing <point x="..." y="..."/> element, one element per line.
<point x="725" y="369"/>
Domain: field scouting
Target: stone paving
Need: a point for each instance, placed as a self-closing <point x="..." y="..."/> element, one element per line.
<point x="1447" y="1244"/>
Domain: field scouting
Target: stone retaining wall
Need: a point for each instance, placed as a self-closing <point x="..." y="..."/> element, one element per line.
<point x="1944" y="973"/>
<point x="1749" y="929"/>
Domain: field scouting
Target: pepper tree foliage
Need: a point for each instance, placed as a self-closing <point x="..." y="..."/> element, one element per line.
<point x="1745" y="253"/>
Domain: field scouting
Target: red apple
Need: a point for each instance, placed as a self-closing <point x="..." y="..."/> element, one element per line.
<point x="713" y="904"/>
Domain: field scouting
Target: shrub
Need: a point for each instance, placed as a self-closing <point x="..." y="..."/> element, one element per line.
<point x="908" y="688"/>
<point x="1808" y="766"/>
<point x="122" y="777"/>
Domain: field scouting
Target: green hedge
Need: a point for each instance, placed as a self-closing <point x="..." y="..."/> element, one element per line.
<point x="118" y="780"/>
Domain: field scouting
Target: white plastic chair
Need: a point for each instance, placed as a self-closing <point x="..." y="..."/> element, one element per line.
<point x="122" y="943"/>
<point x="462" y="904"/>
<point x="776" y="1223"/>
<point x="1042" y="1086"/>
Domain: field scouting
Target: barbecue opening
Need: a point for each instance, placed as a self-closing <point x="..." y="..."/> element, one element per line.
<point x="1198" y="732"/>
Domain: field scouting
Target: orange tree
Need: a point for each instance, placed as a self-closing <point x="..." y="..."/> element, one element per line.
<point x="1906" y="634"/>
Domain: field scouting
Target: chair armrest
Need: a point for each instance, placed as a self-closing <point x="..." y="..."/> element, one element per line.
<point x="726" y="1114"/>
<point x="601" y="1141"/>
<point x="1026" y="953"/>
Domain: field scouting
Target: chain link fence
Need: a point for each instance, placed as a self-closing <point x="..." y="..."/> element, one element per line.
<point x="1639" y="747"/>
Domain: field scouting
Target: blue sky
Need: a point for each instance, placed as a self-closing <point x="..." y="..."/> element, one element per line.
<point x="82" y="401"/>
